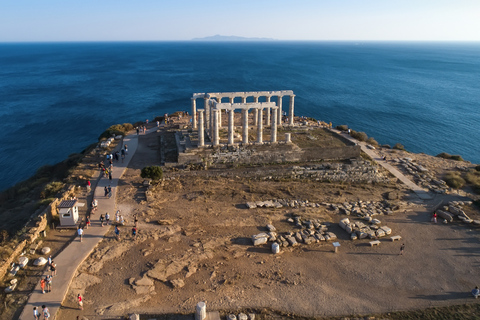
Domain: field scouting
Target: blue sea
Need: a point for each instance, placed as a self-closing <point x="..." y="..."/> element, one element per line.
<point x="57" y="98"/>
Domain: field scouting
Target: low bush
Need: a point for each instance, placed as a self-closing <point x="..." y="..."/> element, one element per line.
<point x="360" y="136"/>
<point x="117" y="129"/>
<point x="372" y="141"/>
<point x="152" y="172"/>
<point x="454" y="180"/>
<point x="477" y="168"/>
<point x="51" y="189"/>
<point x="399" y="146"/>
<point x="342" y="127"/>
<point x="445" y="155"/>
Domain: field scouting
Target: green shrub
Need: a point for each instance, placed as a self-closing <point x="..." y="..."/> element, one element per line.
<point x="454" y="180"/>
<point x="372" y="141"/>
<point x="445" y="155"/>
<point x="360" y="136"/>
<point x="51" y="189"/>
<point x="342" y="127"/>
<point x="399" y="146"/>
<point x="44" y="202"/>
<point x="117" y="129"/>
<point x="152" y="172"/>
<point x="477" y="168"/>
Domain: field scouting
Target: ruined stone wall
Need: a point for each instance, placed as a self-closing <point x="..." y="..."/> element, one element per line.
<point x="42" y="221"/>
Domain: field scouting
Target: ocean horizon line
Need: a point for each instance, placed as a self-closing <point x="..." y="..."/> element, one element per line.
<point x="268" y="41"/>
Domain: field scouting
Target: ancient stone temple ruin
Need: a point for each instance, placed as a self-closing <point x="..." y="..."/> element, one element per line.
<point x="209" y="119"/>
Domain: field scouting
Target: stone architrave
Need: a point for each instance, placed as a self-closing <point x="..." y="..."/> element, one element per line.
<point x="230" y="126"/>
<point x="267" y="110"/>
<point x="201" y="129"/>
<point x="274" y="125"/>
<point x="279" y="113"/>
<point x="245" y="126"/>
<point x="290" y="115"/>
<point x="194" y="113"/>
<point x="260" y="126"/>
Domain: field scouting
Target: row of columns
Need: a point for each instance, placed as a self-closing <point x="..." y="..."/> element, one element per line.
<point x="215" y="115"/>
<point x="209" y="119"/>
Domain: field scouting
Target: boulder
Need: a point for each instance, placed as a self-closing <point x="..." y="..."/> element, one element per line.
<point x="445" y="215"/>
<point x="343" y="223"/>
<point x="22" y="261"/>
<point x="251" y="205"/>
<point x="386" y="229"/>
<point x="177" y="283"/>
<point x="242" y="316"/>
<point x="259" y="239"/>
<point x="271" y="228"/>
<point x="291" y="241"/>
<point x="46" y="250"/>
<point x="40" y="261"/>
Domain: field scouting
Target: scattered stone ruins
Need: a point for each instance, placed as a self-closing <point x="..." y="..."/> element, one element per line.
<point x="209" y="119"/>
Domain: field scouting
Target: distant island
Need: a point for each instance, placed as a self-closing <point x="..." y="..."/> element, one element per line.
<point x="230" y="38"/>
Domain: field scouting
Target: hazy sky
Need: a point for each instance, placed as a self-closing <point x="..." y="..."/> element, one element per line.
<point x="96" y="20"/>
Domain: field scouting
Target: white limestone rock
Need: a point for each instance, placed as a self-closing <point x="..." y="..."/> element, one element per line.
<point x="22" y="261"/>
<point x="46" y="250"/>
<point x="40" y="261"/>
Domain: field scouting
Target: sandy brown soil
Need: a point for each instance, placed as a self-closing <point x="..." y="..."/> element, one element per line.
<point x="199" y="229"/>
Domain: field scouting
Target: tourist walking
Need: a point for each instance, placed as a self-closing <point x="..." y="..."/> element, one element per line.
<point x="134" y="232"/>
<point x="110" y="175"/>
<point x="46" y="312"/>
<point x="80" y="301"/>
<point x="42" y="284"/>
<point x="53" y="269"/>
<point x="101" y="219"/>
<point x="117" y="233"/>
<point x="107" y="218"/>
<point x="135" y="220"/>
<point x="89" y="185"/>
<point x="87" y="224"/>
<point x="36" y="314"/>
<point x="109" y="189"/>
<point x="94" y="205"/>
<point x="123" y="154"/>
<point x="434" y="218"/>
<point x="49" y="281"/>
<point x="117" y="216"/>
<point x="126" y="149"/>
<point x="80" y="233"/>
<point x="402" y="248"/>
<point x="106" y="191"/>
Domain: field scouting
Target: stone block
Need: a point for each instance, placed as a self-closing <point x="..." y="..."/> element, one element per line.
<point x="251" y="205"/>
<point x="270" y="227"/>
<point x="386" y="229"/>
<point x="275" y="248"/>
<point x="445" y="215"/>
<point x="291" y="241"/>
<point x="46" y="250"/>
<point x="242" y="316"/>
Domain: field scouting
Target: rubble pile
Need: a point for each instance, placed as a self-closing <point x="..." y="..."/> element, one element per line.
<point x="455" y="209"/>
<point x="422" y="176"/>
<point x="364" y="208"/>
<point x="358" y="171"/>
<point x="312" y="231"/>
<point x="280" y="203"/>
<point x="361" y="230"/>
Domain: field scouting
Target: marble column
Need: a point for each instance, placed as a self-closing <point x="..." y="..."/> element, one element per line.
<point x="245" y="126"/>
<point x="279" y="112"/>
<point x="274" y="125"/>
<point x="260" y="126"/>
<point x="232" y="101"/>
<point x="290" y="115"/>
<point x="207" y="113"/>
<point x="255" y="114"/>
<point x="267" y="120"/>
<point x="230" y="127"/>
<point x="219" y="114"/>
<point x="201" y="129"/>
<point x="194" y="114"/>
<point x="216" y="133"/>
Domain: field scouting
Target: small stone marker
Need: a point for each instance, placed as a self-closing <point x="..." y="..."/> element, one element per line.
<point x="275" y="248"/>
<point x="201" y="311"/>
<point x="336" y="245"/>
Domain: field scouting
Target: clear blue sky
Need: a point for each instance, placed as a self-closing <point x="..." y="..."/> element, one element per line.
<point x="114" y="20"/>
